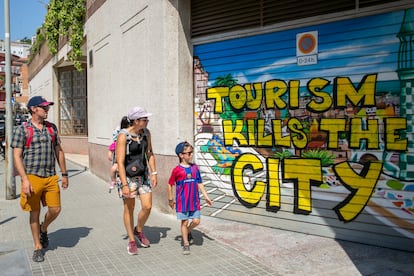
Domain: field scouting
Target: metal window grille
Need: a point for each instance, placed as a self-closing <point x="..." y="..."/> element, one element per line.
<point x="73" y="103"/>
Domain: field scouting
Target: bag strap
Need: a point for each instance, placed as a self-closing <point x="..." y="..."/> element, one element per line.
<point x="129" y="141"/>
<point x="30" y="132"/>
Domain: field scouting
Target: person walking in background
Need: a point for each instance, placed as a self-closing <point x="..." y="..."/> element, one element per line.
<point x="187" y="179"/>
<point x="36" y="147"/>
<point x="111" y="152"/>
<point x="137" y="174"/>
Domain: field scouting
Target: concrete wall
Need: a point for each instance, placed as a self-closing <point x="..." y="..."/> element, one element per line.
<point x="42" y="84"/>
<point x="140" y="55"/>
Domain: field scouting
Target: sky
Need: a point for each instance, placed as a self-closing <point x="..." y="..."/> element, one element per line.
<point x="26" y="16"/>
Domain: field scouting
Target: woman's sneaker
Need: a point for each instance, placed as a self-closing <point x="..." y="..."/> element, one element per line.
<point x="132" y="248"/>
<point x="143" y="241"/>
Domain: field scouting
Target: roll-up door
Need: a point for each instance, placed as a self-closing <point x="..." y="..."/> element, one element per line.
<point x="218" y="16"/>
<point x="310" y="129"/>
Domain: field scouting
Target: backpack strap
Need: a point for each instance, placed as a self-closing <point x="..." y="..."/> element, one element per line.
<point x="51" y="131"/>
<point x="128" y="139"/>
<point x="30" y="132"/>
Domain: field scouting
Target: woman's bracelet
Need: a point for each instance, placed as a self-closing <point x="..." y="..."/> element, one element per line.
<point x="124" y="186"/>
<point x="154" y="173"/>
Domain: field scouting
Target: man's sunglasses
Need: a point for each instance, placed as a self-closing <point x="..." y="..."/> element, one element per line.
<point x="44" y="107"/>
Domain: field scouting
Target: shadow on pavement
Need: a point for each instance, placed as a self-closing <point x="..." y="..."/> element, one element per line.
<point x="154" y="234"/>
<point x="68" y="237"/>
<point x="198" y="238"/>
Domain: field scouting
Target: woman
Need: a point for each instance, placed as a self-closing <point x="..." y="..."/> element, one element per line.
<point x="134" y="143"/>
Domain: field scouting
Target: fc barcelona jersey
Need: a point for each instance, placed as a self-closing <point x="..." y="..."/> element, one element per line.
<point x="186" y="180"/>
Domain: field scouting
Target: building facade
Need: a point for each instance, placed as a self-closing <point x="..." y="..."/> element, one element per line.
<point x="300" y="114"/>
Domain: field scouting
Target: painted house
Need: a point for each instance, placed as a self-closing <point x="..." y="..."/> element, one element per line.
<point x="300" y="113"/>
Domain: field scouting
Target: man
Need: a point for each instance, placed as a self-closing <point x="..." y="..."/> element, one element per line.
<point x="36" y="147"/>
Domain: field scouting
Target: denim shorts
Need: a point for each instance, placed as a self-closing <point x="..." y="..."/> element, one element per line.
<point x="188" y="215"/>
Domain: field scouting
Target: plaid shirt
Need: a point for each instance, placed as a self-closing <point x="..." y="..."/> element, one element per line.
<point x="39" y="159"/>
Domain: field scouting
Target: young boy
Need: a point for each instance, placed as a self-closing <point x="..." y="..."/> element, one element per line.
<point x="187" y="179"/>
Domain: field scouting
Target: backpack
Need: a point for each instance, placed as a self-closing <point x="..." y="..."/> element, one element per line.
<point x="30" y="132"/>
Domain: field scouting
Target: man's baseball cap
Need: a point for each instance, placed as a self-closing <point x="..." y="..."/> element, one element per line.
<point x="38" y="101"/>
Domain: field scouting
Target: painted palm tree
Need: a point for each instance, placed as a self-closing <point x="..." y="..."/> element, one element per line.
<point x="228" y="112"/>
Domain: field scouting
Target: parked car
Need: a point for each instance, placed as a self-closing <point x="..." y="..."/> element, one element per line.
<point x="25" y="118"/>
<point x="2" y="128"/>
<point x="18" y="119"/>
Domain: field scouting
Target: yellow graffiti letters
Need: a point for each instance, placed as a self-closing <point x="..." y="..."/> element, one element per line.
<point x="254" y="102"/>
<point x="299" y="137"/>
<point x="369" y="133"/>
<point x="256" y="133"/>
<point x="279" y="137"/>
<point x="392" y="138"/>
<point x="365" y="93"/>
<point x="251" y="96"/>
<point x="233" y="133"/>
<point x="333" y="127"/>
<point x="237" y="97"/>
<point x="303" y="173"/>
<point x="218" y="93"/>
<point x="361" y="185"/>
<point x="273" y="195"/>
<point x="323" y="100"/>
<point x="249" y="194"/>
<point x="274" y="90"/>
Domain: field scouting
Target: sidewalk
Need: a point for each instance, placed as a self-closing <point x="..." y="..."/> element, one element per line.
<point x="88" y="238"/>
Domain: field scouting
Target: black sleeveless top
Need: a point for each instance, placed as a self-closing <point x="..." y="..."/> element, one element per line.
<point x="136" y="148"/>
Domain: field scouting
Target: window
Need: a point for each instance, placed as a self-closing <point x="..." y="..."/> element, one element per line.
<point x="73" y="102"/>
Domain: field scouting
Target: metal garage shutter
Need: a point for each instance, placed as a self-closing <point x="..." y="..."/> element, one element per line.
<point x="217" y="16"/>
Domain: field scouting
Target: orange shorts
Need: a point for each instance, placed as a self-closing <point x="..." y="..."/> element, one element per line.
<point x="45" y="189"/>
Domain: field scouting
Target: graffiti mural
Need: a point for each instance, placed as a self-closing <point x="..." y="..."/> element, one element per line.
<point x="318" y="113"/>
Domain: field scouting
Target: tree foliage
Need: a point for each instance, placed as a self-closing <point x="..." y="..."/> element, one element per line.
<point x="65" y="18"/>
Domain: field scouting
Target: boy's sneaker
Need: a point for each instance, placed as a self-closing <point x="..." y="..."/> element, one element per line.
<point x="186" y="250"/>
<point x="190" y="238"/>
<point x="132" y="248"/>
<point x="44" y="240"/>
<point x="38" y="256"/>
<point x="143" y="241"/>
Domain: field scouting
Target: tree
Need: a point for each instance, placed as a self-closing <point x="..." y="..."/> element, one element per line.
<point x="26" y="40"/>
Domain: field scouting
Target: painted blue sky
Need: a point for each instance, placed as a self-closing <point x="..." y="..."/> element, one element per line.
<point x="349" y="48"/>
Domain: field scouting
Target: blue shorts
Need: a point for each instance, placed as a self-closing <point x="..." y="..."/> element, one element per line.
<point x="188" y="215"/>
